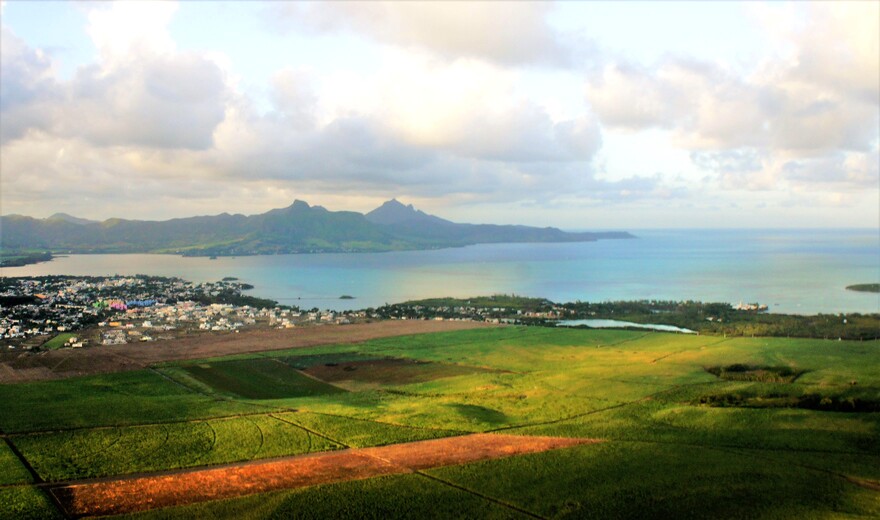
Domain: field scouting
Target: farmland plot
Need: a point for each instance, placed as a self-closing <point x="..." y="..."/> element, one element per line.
<point x="772" y="438"/>
<point x="99" y="452"/>
<point x="258" y="379"/>
<point x="105" y="400"/>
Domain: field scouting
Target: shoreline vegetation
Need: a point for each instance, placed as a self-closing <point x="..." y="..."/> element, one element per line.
<point x="718" y="319"/>
<point x="864" y="287"/>
<point x="23" y="258"/>
<point x="22" y="300"/>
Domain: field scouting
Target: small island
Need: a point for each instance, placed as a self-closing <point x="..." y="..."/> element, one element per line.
<point x="864" y="287"/>
<point x="346" y="297"/>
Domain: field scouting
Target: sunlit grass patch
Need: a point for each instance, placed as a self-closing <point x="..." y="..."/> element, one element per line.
<point x="26" y="503"/>
<point x="117" y="451"/>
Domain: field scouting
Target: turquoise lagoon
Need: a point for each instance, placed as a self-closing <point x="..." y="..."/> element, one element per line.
<point x="793" y="271"/>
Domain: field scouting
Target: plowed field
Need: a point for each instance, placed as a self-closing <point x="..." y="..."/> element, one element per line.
<point x="59" y="364"/>
<point x="141" y="493"/>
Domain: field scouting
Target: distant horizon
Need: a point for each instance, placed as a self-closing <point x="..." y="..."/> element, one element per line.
<point x="565" y="114"/>
<point x="453" y="219"/>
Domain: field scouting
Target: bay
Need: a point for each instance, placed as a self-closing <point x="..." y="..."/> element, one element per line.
<point x="793" y="271"/>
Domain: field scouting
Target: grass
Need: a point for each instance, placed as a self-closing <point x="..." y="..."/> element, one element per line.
<point x="767" y="436"/>
<point x="102" y="452"/>
<point x="259" y="379"/>
<point x="361" y="433"/>
<point x="58" y="341"/>
<point x="303" y="362"/>
<point x="639" y="480"/>
<point x="106" y="400"/>
<point x="387" y="372"/>
<point x="26" y="503"/>
<point x="11" y="470"/>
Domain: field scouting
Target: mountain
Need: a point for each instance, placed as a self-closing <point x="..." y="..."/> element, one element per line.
<point x="393" y="212"/>
<point x="70" y="218"/>
<point x="417" y="226"/>
<point x="298" y="228"/>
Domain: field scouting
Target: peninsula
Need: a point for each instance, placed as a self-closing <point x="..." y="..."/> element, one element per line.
<point x="298" y="228"/>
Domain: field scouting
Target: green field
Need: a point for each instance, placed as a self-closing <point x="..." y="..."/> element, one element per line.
<point x="258" y="379"/>
<point x="694" y="426"/>
<point x="58" y="341"/>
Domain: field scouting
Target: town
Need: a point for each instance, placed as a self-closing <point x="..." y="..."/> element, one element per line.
<point x="69" y="311"/>
<point x="49" y="312"/>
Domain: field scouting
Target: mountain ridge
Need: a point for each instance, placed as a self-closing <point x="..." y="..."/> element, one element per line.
<point x="298" y="228"/>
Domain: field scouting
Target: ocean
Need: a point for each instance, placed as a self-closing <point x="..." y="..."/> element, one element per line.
<point x="791" y="271"/>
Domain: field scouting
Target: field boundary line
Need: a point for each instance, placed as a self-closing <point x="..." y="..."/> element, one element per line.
<point x="37" y="480"/>
<point x="598" y="410"/>
<point x="627" y="340"/>
<point x="262" y="437"/>
<point x="164" y="441"/>
<point x="290" y="472"/>
<point x="304" y="374"/>
<point x="568" y="418"/>
<point x="363" y="419"/>
<point x="192" y="389"/>
<point x="309" y="430"/>
<point x="677" y="352"/>
<point x="213" y="443"/>
<point x="35" y="477"/>
<point x="157" y="423"/>
<point x="873" y="485"/>
<point x="92" y="455"/>
<point x="746" y="448"/>
<point x="480" y="495"/>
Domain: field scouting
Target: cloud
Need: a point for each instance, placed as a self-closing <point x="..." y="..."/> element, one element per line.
<point x="27" y="86"/>
<point x="508" y="33"/>
<point x="294" y="98"/>
<point x="449" y="114"/>
<point x="858" y="170"/>
<point x="146" y="116"/>
<point x="709" y="108"/>
<point x="787" y="122"/>
<point x="170" y="101"/>
<point x="141" y="91"/>
<point x="729" y="161"/>
<point x="471" y="109"/>
<point x="124" y="32"/>
<point x="835" y="45"/>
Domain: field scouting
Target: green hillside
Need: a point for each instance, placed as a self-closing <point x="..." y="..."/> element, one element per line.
<point x="299" y="228"/>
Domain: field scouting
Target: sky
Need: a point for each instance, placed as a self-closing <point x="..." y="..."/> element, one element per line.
<point x="580" y="115"/>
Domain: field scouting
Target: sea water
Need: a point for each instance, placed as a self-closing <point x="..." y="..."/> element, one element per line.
<point x="793" y="271"/>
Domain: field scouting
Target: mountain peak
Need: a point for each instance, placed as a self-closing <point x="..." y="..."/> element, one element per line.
<point x="70" y="218"/>
<point x="395" y="212"/>
<point x="394" y="203"/>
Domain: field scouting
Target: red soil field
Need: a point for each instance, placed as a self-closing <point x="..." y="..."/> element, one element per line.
<point x="140" y="493"/>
